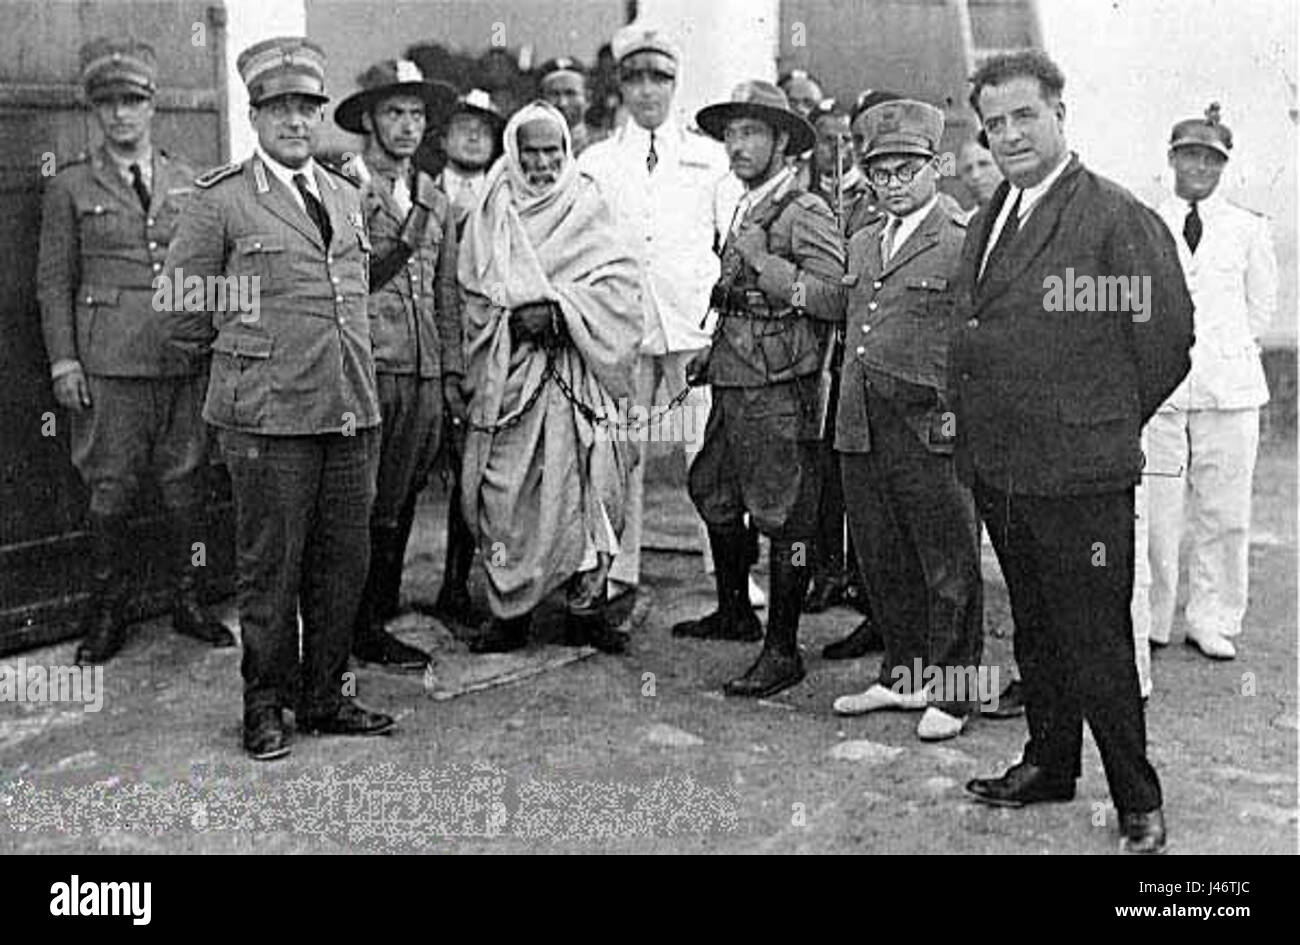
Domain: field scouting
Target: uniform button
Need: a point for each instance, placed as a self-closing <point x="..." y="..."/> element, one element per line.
<point x="257" y="246"/>
<point x="861" y="350"/>
<point x="90" y="300"/>
<point x="328" y="259"/>
<point x="415" y="295"/>
<point x="877" y="284"/>
<point x="923" y="283"/>
<point x="153" y="245"/>
<point x="334" y="279"/>
<point x="157" y="266"/>
<point x="338" y="298"/>
<point x="973" y="323"/>
<point x="99" y="208"/>
<point x="865" y="329"/>
<point x="149" y="222"/>
<point x="872" y="306"/>
<point x="965" y="375"/>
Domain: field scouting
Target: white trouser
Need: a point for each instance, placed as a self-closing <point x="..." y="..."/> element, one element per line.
<point x="1213" y="453"/>
<point x="1140" y="607"/>
<point x="663" y="375"/>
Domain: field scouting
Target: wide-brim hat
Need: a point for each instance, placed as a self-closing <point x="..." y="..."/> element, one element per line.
<point x="766" y="103"/>
<point x="393" y="77"/>
<point x="478" y="102"/>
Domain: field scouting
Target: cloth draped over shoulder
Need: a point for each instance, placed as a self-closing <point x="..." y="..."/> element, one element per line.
<point x="545" y="494"/>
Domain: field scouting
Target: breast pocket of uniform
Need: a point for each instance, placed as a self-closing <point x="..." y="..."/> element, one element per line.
<point x="96" y="221"/>
<point x="257" y="255"/>
<point x="929" y="298"/>
<point x="240" y="386"/>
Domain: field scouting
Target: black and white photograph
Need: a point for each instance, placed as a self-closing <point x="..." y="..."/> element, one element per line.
<point x="648" y="427"/>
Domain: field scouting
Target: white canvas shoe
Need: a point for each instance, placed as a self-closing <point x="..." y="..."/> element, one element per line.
<point x="937" y="725"/>
<point x="1214" y="645"/>
<point x="878" y="697"/>
<point x="757" y="599"/>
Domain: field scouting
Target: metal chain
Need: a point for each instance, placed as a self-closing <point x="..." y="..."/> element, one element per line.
<point x="552" y="374"/>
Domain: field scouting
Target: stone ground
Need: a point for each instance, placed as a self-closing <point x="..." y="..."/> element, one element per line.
<point x="641" y="753"/>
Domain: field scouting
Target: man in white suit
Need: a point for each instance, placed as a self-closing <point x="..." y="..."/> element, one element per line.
<point x="672" y="195"/>
<point x="1206" y="434"/>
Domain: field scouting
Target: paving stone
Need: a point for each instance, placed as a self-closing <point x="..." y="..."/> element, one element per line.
<point x="867" y="751"/>
<point x="671" y="736"/>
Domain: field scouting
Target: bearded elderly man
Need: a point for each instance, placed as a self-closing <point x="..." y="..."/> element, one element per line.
<point x="552" y="325"/>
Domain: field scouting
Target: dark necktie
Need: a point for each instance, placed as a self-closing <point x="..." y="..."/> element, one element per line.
<point x="1192" y="228"/>
<point x="652" y="156"/>
<point x="1009" y="230"/>
<point x="137" y="184"/>
<point x="315" y="209"/>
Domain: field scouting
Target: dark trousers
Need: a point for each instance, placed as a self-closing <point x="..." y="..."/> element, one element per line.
<point x="1068" y="563"/>
<point x="141" y="427"/>
<point x="917" y="539"/>
<point x="411" y="408"/>
<point x="302" y="541"/>
<point x="754" y="461"/>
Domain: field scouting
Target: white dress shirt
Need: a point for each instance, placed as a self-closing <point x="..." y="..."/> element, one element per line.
<point x="905" y="227"/>
<point x="670" y="219"/>
<point x="1029" y="197"/>
<point x="1232" y="278"/>
<point x="286" y="175"/>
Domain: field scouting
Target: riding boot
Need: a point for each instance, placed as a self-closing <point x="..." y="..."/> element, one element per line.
<point x="778" y="666"/>
<point x="188" y="614"/>
<point x="103" y="627"/>
<point x="734" y="617"/>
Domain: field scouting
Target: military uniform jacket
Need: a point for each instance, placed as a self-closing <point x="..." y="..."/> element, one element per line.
<point x="99" y="253"/>
<point x="899" y="325"/>
<point x="778" y="340"/>
<point x="414" y="316"/>
<point x="300" y="362"/>
<point x="1232" y="277"/>
<point x="1052" y="402"/>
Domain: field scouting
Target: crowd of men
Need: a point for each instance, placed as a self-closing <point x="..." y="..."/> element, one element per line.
<point x="877" y="364"/>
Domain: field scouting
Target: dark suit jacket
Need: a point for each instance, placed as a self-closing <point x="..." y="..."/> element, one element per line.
<point x="1052" y="402"/>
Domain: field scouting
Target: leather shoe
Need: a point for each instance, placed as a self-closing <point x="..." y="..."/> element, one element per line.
<point x="501" y="636"/>
<point x="264" y="737"/>
<point x="1022" y="784"/>
<point x="350" y="718"/>
<point x="1142" y="832"/>
<point x="1011" y="702"/>
<point x="864" y="639"/>
<point x="594" y="630"/>
<point x="191" y="620"/>
<point x="101" y="645"/>
<point x="770" y="674"/>
<point x="824" y="592"/>
<point x="718" y="626"/>
<point x="380" y="646"/>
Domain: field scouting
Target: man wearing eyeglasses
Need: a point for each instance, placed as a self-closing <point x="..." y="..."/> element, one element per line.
<point x="293" y="395"/>
<point x="913" y="523"/>
<point x="662" y="183"/>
